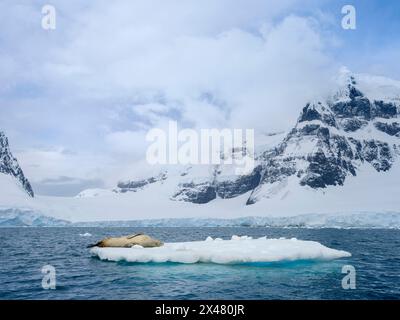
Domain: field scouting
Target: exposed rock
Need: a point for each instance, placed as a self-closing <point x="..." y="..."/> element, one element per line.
<point x="135" y="185"/>
<point x="392" y="129"/>
<point x="196" y="193"/>
<point x="331" y="140"/>
<point x="9" y="165"/>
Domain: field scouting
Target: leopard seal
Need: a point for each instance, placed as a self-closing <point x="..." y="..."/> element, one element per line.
<point x="128" y="241"/>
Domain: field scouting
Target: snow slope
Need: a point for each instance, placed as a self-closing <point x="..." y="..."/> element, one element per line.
<point x="357" y="195"/>
<point x="12" y="193"/>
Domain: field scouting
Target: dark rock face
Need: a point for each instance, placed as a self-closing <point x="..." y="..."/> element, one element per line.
<point x="384" y="110"/>
<point x="392" y="129"/>
<point x="278" y="169"/>
<point x="310" y="129"/>
<point x="9" y="165"/>
<point x="309" y="114"/>
<point x="351" y="125"/>
<point x="378" y="154"/>
<point x="323" y="171"/>
<point x="231" y="189"/>
<point x="323" y="149"/>
<point x="135" y="185"/>
<point x="196" y="193"/>
<point x="225" y="189"/>
<point x="358" y="106"/>
<point x="332" y="167"/>
<point x="328" y="165"/>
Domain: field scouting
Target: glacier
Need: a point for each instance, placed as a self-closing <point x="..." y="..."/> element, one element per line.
<point x="13" y="217"/>
<point x="359" y="220"/>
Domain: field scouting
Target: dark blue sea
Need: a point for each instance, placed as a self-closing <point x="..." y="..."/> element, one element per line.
<point x="24" y="251"/>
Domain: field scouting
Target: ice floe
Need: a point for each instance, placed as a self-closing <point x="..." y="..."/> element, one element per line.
<point x="237" y="250"/>
<point x="87" y="234"/>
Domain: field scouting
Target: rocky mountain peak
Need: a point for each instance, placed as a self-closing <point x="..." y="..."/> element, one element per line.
<point x="317" y="111"/>
<point x="329" y="142"/>
<point x="9" y="165"/>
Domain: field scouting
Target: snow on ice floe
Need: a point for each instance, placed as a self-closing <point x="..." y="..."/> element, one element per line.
<point x="238" y="250"/>
<point x="87" y="234"/>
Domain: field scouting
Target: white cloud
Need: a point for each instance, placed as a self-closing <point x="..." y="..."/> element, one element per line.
<point x="127" y="143"/>
<point x="111" y="71"/>
<point x="47" y="164"/>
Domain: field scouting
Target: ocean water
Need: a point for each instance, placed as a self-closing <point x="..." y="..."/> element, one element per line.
<point x="24" y="251"/>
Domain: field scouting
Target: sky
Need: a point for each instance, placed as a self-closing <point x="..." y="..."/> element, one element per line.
<point x="76" y="102"/>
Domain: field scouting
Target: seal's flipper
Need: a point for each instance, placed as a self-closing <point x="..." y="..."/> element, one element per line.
<point x="98" y="244"/>
<point x="134" y="235"/>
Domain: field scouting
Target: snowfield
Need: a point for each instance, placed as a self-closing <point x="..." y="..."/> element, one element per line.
<point x="359" y="203"/>
<point x="238" y="250"/>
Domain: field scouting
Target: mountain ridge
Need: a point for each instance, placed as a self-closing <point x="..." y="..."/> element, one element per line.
<point x="9" y="165"/>
<point x="330" y="142"/>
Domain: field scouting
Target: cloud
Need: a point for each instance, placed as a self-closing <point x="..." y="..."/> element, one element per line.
<point x="48" y="164"/>
<point x="112" y="71"/>
<point x="127" y="143"/>
<point x="64" y="186"/>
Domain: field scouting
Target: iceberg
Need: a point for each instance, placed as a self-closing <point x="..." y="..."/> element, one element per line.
<point x="237" y="250"/>
<point x="87" y="234"/>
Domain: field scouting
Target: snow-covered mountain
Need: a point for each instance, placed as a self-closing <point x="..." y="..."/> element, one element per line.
<point x="331" y="141"/>
<point x="355" y="132"/>
<point x="9" y="167"/>
<point x="341" y="157"/>
<point x="16" y="194"/>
